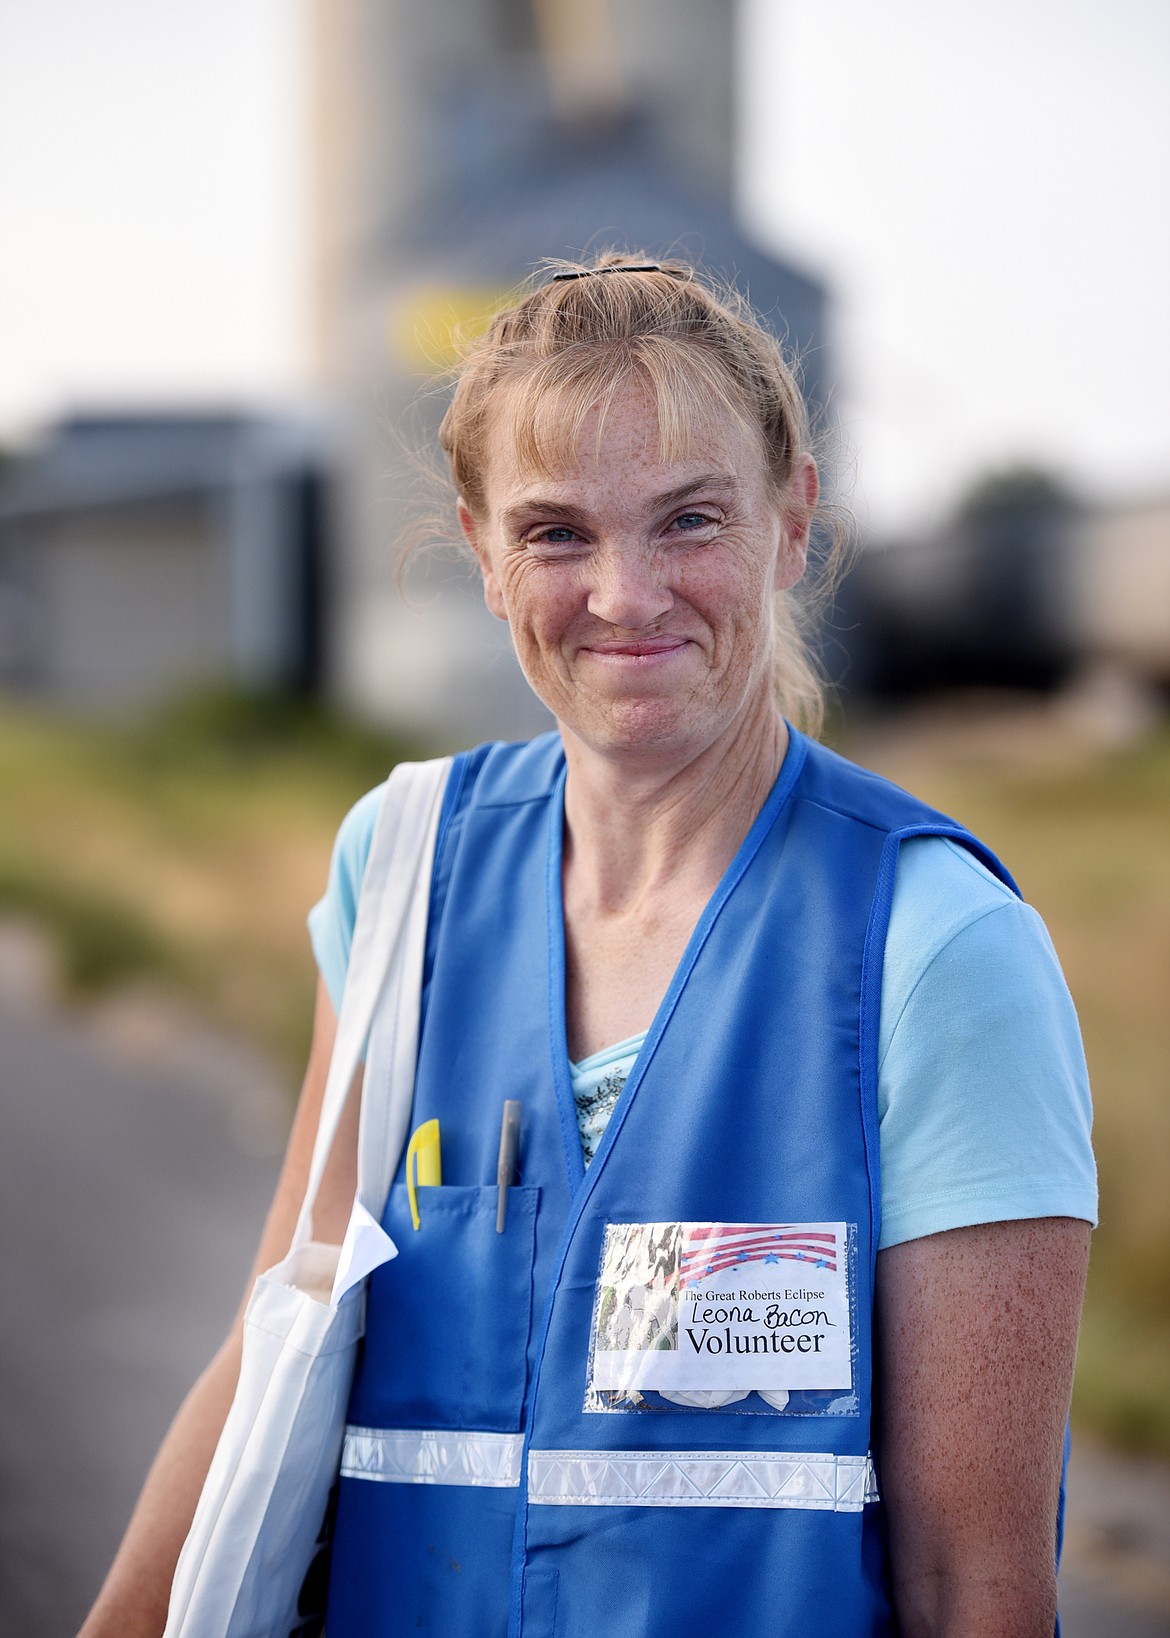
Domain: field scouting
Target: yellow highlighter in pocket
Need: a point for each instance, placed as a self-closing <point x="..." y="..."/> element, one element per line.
<point x="423" y="1164"/>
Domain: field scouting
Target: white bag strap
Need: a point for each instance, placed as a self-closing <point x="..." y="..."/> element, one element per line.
<point x="386" y="958"/>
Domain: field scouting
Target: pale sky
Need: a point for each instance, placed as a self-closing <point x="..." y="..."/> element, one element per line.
<point x="152" y="166"/>
<point x="985" y="186"/>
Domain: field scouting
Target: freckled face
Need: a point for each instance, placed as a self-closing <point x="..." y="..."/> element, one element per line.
<point x="639" y="594"/>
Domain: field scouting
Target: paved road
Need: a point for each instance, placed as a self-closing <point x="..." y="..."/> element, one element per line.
<point x="118" y="1278"/>
<point x="129" y="1201"/>
<point x="1116" y="1577"/>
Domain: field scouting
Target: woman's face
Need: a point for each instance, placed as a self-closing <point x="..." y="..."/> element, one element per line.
<point x="639" y="594"/>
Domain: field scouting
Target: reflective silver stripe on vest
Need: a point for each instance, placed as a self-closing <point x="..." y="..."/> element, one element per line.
<point x="432" y="1456"/>
<point x="709" y="1478"/>
<point x="599" y="1478"/>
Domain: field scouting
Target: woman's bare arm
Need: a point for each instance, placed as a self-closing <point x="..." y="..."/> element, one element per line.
<point x="977" y="1334"/>
<point x="133" y="1601"/>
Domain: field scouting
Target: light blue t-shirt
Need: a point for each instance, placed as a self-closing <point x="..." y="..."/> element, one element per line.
<point x="983" y="1095"/>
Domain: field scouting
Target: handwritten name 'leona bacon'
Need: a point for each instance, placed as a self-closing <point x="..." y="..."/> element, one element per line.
<point x="774" y="1317"/>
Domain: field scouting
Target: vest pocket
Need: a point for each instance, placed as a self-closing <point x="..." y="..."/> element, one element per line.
<point x="448" y="1319"/>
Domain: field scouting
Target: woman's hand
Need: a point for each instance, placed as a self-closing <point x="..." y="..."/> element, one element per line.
<point x="977" y="1333"/>
<point x="133" y="1602"/>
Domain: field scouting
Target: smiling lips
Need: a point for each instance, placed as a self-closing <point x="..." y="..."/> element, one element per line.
<point x="645" y="648"/>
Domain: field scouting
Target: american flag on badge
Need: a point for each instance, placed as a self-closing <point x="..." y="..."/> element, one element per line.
<point x="709" y="1248"/>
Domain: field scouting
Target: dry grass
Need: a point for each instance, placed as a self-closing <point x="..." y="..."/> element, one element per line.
<point x="187" y="850"/>
<point x="1086" y="832"/>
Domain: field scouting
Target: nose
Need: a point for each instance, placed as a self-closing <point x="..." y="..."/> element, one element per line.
<point x="629" y="588"/>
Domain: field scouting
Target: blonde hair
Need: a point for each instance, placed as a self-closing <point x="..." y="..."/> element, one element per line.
<point x="569" y="346"/>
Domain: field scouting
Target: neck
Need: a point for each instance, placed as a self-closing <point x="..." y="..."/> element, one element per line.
<point x="633" y="824"/>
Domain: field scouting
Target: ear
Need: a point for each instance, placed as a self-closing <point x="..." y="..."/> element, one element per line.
<point x="800" y="504"/>
<point x="491" y="586"/>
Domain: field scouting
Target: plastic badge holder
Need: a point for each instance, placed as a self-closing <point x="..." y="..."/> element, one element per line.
<point x="755" y="1319"/>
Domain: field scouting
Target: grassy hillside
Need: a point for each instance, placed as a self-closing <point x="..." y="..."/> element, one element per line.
<point x="186" y="850"/>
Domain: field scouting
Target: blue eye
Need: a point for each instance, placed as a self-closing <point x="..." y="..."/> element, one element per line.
<point x="692" y="520"/>
<point x="558" y="534"/>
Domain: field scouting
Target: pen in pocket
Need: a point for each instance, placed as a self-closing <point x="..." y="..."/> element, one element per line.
<point x="506" y="1164"/>
<point x="423" y="1163"/>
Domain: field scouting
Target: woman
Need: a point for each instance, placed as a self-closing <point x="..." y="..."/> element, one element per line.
<point x="788" y="1049"/>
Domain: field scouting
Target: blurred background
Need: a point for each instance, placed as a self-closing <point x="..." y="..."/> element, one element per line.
<point x="240" y="241"/>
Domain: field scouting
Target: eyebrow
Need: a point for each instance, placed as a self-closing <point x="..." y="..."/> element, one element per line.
<point x="724" y="481"/>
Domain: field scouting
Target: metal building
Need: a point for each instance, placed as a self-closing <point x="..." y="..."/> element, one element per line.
<point x="143" y="555"/>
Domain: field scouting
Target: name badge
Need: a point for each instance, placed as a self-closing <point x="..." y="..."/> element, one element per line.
<point x="705" y="1306"/>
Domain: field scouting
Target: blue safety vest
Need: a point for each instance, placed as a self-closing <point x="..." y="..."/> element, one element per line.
<point x="479" y="1494"/>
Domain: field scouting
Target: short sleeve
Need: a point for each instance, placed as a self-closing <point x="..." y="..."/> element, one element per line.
<point x="983" y="1095"/>
<point x="332" y="918"/>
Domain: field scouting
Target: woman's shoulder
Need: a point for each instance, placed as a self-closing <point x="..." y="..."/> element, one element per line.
<point x="941" y="885"/>
<point x="871" y="800"/>
<point x="497" y="773"/>
<point x="945" y="899"/>
<point x="481" y="772"/>
<point x="983" y="1094"/>
<point x="829" y="777"/>
<point x="355" y="835"/>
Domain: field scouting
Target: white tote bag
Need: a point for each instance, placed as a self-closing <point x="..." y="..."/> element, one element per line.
<point x="251" y="1541"/>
